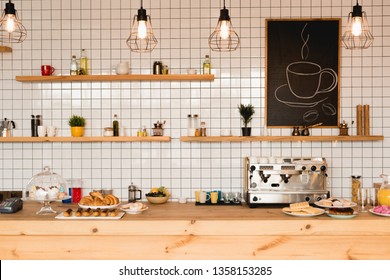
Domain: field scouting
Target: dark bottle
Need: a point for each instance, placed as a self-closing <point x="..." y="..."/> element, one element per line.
<point x="33" y="127"/>
<point x="38" y="122"/>
<point x="115" y="125"/>
<point x="157" y="68"/>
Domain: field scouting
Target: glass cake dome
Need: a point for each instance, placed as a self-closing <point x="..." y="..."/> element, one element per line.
<point x="45" y="187"/>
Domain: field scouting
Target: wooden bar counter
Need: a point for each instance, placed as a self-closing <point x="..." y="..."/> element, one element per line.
<point x="186" y="231"/>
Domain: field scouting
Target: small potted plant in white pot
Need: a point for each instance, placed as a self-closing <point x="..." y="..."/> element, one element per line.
<point x="77" y="124"/>
<point x="246" y="112"/>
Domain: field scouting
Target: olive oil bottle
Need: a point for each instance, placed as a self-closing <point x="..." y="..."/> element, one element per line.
<point x="115" y="125"/>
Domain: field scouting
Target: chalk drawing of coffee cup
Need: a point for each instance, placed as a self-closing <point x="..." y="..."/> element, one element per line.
<point x="304" y="79"/>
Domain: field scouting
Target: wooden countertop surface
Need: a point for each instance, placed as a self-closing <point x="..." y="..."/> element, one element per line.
<point x="174" y="218"/>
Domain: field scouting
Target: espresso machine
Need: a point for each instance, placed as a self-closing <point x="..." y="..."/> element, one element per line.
<point x="279" y="181"/>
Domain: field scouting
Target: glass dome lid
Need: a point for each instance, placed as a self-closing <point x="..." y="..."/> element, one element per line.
<point x="46" y="186"/>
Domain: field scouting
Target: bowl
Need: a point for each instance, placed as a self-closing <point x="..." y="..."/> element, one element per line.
<point x="157" y="199"/>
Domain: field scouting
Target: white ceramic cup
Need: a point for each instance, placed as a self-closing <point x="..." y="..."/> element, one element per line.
<point x="122" y="68"/>
<point x="42" y="129"/>
<point x="51" y="131"/>
<point x="203" y="197"/>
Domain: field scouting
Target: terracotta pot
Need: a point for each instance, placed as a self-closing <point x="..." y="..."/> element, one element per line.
<point x="246" y="131"/>
<point x="77" y="131"/>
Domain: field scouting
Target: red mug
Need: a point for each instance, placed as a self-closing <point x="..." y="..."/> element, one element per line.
<point x="47" y="70"/>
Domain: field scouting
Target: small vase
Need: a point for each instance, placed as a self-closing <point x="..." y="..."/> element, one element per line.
<point x="77" y="131"/>
<point x="246" y="131"/>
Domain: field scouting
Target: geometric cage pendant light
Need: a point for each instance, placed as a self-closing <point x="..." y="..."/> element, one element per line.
<point x="224" y="38"/>
<point x="357" y="34"/>
<point x="11" y="28"/>
<point x="141" y="37"/>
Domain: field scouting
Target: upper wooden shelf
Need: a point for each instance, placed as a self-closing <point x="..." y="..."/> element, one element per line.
<point x="102" y="78"/>
<point x="5" y="49"/>
<point x="279" y="138"/>
<point x="87" y="139"/>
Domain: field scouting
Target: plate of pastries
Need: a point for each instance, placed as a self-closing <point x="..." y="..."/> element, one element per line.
<point x="334" y="202"/>
<point x="88" y="213"/>
<point x="302" y="209"/>
<point x="341" y="213"/>
<point x="134" y="208"/>
<point x="97" y="200"/>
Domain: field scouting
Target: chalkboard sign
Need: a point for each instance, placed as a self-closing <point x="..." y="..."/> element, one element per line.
<point x="302" y="86"/>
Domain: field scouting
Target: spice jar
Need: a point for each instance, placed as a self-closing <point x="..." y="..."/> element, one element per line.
<point x="203" y="129"/>
<point x="108" y="131"/>
<point x="356" y="184"/>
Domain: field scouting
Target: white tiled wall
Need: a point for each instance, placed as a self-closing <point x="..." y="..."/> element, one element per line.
<point x="59" y="28"/>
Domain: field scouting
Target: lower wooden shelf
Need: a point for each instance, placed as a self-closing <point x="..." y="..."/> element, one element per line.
<point x="87" y="139"/>
<point x="279" y="138"/>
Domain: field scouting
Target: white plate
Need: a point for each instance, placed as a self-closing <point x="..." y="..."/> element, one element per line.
<point x="342" y="216"/>
<point x="134" y="212"/>
<point x="379" y="214"/>
<point x="73" y="217"/>
<point x="303" y="215"/>
<point x="99" y="207"/>
<point x="352" y="204"/>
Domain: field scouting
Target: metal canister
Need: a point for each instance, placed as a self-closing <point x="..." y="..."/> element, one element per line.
<point x="157" y="68"/>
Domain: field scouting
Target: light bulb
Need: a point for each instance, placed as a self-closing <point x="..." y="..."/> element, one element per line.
<point x="10" y="23"/>
<point x="142" y="29"/>
<point x="224" y="29"/>
<point x="356" y="26"/>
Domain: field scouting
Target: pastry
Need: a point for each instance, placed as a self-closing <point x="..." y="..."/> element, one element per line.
<point x="341" y="211"/>
<point x="78" y="212"/>
<point x="299" y="205"/>
<point x="68" y="213"/>
<point x="104" y="213"/>
<point x="113" y="213"/>
<point x="96" y="213"/>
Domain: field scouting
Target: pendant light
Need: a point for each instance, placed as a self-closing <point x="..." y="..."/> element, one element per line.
<point x="141" y="37"/>
<point x="11" y="29"/>
<point x="224" y="38"/>
<point x="357" y="35"/>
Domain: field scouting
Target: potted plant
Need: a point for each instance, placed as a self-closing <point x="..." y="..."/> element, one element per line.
<point x="246" y="112"/>
<point x="77" y="124"/>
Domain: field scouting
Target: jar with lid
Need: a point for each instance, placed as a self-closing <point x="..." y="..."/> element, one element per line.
<point x="190" y="125"/>
<point x="108" y="131"/>
<point x="384" y="191"/>
<point x="356" y="185"/>
<point x="196" y="123"/>
<point x="203" y="129"/>
<point x="157" y="68"/>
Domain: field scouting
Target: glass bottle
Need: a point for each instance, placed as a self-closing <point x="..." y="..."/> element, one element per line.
<point x="84" y="63"/>
<point x="74" y="68"/>
<point x="115" y="125"/>
<point x="384" y="191"/>
<point x="207" y="65"/>
<point x="190" y="125"/>
<point x="38" y="122"/>
<point x="356" y="184"/>
<point x="203" y="129"/>
<point x="195" y="122"/>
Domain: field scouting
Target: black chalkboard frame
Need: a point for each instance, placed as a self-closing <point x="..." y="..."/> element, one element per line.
<point x="285" y="106"/>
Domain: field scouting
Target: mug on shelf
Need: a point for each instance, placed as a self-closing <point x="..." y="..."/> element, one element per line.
<point x="47" y="70"/>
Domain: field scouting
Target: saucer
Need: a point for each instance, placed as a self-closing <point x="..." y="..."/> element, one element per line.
<point x="283" y="92"/>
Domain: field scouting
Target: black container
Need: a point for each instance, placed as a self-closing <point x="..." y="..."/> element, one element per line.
<point x="33" y="127"/>
<point x="38" y="122"/>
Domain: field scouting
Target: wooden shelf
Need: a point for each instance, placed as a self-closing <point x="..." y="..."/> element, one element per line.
<point x="4" y="49"/>
<point x="108" y="78"/>
<point x="86" y="139"/>
<point x="280" y="138"/>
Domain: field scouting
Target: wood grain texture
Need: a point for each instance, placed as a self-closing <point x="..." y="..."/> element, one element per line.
<point x="108" y="78"/>
<point x="186" y="231"/>
<point x="280" y="138"/>
<point x="87" y="139"/>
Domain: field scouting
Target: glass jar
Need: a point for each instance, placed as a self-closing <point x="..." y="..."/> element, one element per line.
<point x="108" y="131"/>
<point x="384" y="191"/>
<point x="356" y="185"/>
<point x="190" y="126"/>
<point x="195" y="121"/>
<point x="203" y="129"/>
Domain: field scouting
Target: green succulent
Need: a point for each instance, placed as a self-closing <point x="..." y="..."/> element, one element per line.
<point x="246" y="112"/>
<point x="76" y="121"/>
